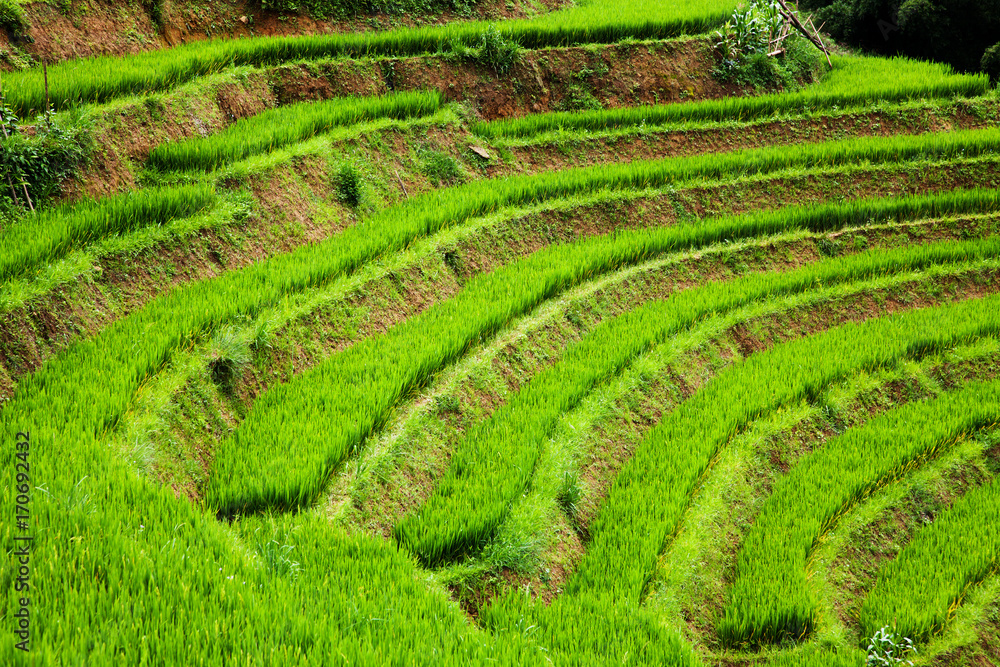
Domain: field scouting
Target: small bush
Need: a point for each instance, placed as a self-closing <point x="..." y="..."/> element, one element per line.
<point x="496" y="51"/>
<point x="441" y="168"/>
<point x="991" y="63"/>
<point x="578" y="98"/>
<point x="742" y="49"/>
<point x="12" y="18"/>
<point x="829" y="247"/>
<point x="885" y="648"/>
<point x="40" y="162"/>
<point x="447" y="404"/>
<point x="227" y="356"/>
<point x="349" y="185"/>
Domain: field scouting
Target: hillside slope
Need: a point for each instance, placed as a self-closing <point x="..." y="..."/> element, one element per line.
<point x="477" y="333"/>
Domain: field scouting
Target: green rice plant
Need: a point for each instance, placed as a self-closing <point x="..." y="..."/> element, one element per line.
<point x="602" y="21"/>
<point x="615" y="572"/>
<point x="855" y="80"/>
<point x="137" y="562"/>
<point x="280" y="127"/>
<point x="375" y="372"/>
<point x="497" y="52"/>
<point x="182" y="315"/>
<point x="770" y="598"/>
<point x="493" y="463"/>
<point x="589" y="631"/>
<point x="350" y="185"/>
<point x="42" y="237"/>
<point x="918" y="591"/>
<point x="650" y="495"/>
<point x="813" y="656"/>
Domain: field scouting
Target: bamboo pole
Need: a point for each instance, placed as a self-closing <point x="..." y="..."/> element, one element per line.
<point x="818" y="43"/>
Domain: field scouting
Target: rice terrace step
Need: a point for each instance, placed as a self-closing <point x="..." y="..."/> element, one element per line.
<point x="539" y="332"/>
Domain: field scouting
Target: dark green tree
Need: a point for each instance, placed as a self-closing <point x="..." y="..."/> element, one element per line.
<point x="957" y="32"/>
<point x="991" y="62"/>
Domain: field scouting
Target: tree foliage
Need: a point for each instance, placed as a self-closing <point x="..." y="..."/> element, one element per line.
<point x="954" y="31"/>
<point x="39" y="160"/>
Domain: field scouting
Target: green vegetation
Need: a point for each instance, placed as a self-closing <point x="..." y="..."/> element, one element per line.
<point x="33" y="167"/>
<point x="990" y="63"/>
<point x="644" y="505"/>
<point x="251" y="483"/>
<point x="744" y="45"/>
<point x="853" y="81"/>
<point x="276" y="128"/>
<point x="370" y="381"/>
<point x="494" y="50"/>
<point x="42" y="237"/>
<point x="326" y="9"/>
<point x="12" y="18"/>
<point x="104" y="78"/>
<point x="652" y="491"/>
<point x="917" y="592"/>
<point x="350" y="187"/>
<point x="770" y="600"/>
<point x="494" y="463"/>
<point x="887" y="648"/>
<point x="952" y="31"/>
<point x="254" y="471"/>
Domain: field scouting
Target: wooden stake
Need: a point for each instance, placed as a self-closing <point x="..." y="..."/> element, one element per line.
<point x="13" y="190"/>
<point x="820" y="40"/>
<point x="787" y="13"/>
<point x="401" y="185"/>
<point x="45" y="74"/>
<point x="26" y="195"/>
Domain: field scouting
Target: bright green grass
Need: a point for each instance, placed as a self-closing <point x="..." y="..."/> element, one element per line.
<point x="103" y="78"/>
<point x="853" y="81"/>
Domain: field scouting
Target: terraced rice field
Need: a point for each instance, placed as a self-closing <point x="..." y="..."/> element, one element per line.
<point x="347" y="349"/>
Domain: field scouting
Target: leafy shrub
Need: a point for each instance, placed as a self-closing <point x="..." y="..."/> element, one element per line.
<point x="446" y="404"/>
<point x="441" y="168"/>
<point x="489" y="49"/>
<point x="578" y="98"/>
<point x="748" y="32"/>
<point x="12" y="18"/>
<point x="884" y="648"/>
<point x="990" y="63"/>
<point x="743" y="43"/>
<point x="40" y="162"/>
